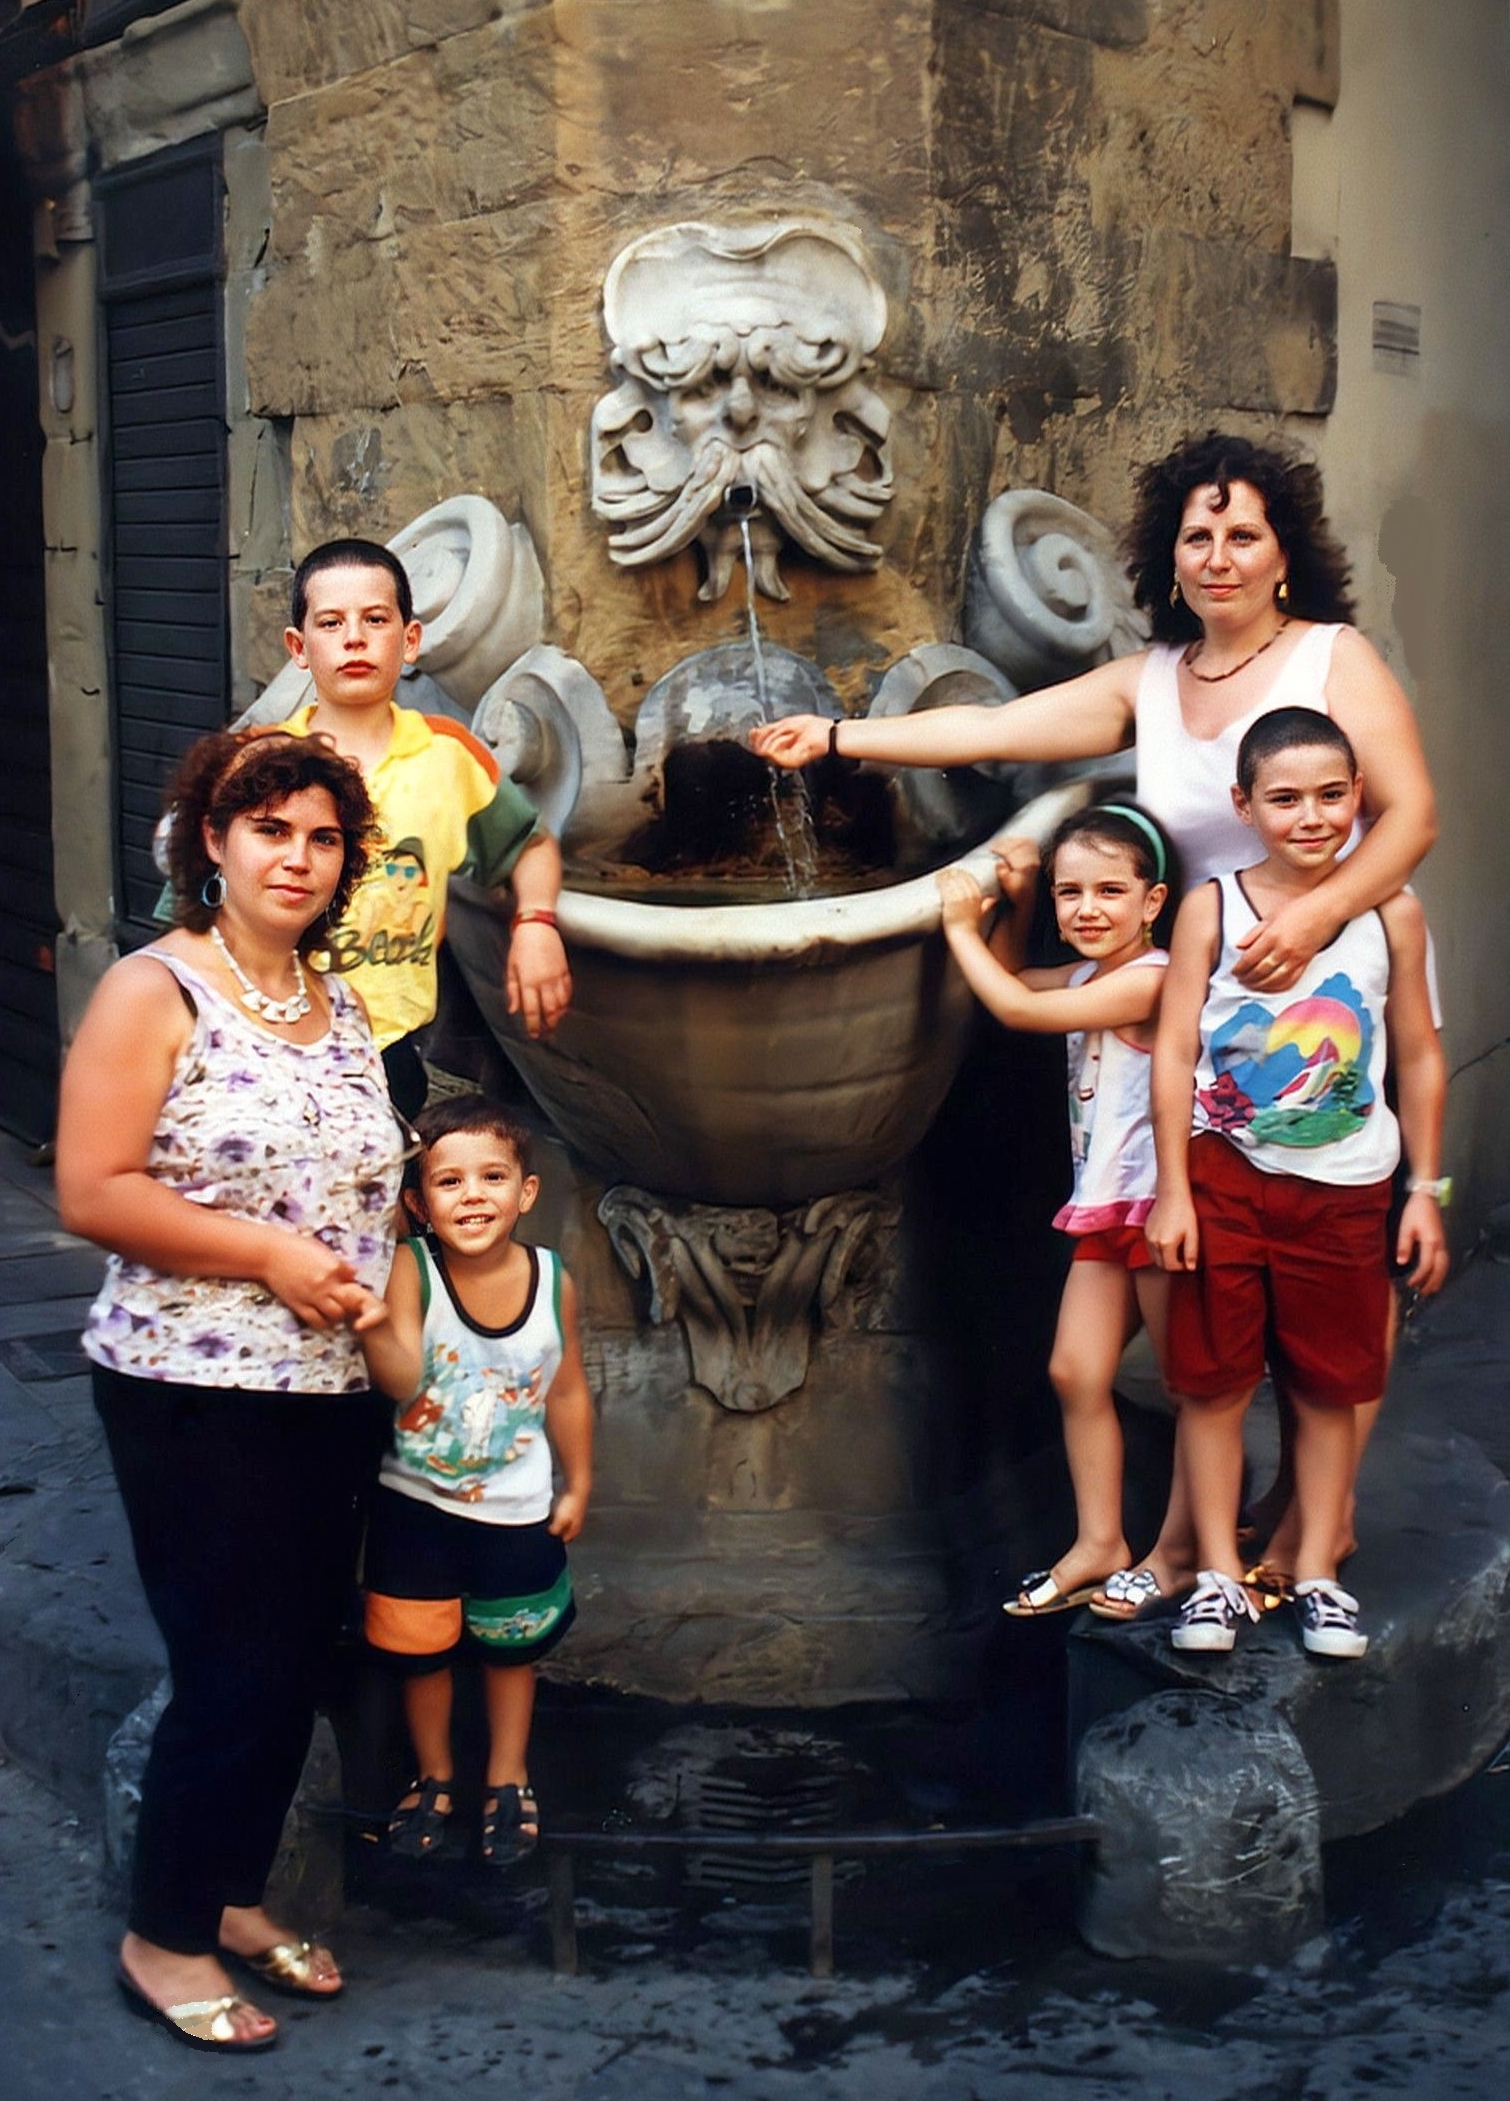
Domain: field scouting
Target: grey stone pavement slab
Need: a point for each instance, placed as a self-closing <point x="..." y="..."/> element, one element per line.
<point x="959" y="1985"/>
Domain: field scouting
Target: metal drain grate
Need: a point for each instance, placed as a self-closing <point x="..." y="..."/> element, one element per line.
<point x="779" y="1786"/>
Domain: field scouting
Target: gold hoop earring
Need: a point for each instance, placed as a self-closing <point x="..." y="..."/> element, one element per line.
<point x="1282" y="592"/>
<point x="1174" y="592"/>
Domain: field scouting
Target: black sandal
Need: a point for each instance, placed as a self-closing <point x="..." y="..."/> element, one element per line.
<point x="416" y="1829"/>
<point x="505" y="1812"/>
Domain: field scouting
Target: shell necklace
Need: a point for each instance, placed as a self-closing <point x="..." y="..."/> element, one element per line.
<point x="261" y="1003"/>
<point x="1214" y="678"/>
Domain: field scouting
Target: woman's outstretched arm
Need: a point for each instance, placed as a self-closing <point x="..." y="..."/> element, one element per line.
<point x="1085" y="718"/>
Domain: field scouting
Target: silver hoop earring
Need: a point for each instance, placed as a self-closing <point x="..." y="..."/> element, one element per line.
<point x="212" y="890"/>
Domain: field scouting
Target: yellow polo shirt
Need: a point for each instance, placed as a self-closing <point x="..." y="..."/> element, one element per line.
<point x="443" y="810"/>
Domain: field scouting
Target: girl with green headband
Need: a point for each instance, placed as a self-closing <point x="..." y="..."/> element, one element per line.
<point x="1109" y="872"/>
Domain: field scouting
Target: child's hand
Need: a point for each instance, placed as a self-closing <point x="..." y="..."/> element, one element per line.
<point x="1017" y="864"/>
<point x="1172" y="1234"/>
<point x="568" y="1515"/>
<point x="368" y="1312"/>
<point x="1422" y="1236"/>
<point x="963" y="900"/>
<point x="539" y="977"/>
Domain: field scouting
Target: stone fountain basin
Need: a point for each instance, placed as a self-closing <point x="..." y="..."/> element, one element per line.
<point x="744" y="1054"/>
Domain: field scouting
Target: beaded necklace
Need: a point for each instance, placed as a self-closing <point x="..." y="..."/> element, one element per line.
<point x="1214" y="678"/>
<point x="261" y="1003"/>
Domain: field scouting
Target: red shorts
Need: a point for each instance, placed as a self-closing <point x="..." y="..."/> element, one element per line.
<point x="1123" y="1246"/>
<point x="1291" y="1270"/>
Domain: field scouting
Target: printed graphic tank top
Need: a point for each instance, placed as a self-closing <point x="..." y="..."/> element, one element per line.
<point x="1295" y="1079"/>
<point x="472" y="1441"/>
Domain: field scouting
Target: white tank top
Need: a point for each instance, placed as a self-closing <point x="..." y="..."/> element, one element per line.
<point x="1187" y="781"/>
<point x="1296" y="1080"/>
<point x="472" y="1441"/>
<point x="1111" y="1126"/>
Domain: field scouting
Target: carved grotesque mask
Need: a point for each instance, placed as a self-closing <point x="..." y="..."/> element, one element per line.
<point x="742" y="404"/>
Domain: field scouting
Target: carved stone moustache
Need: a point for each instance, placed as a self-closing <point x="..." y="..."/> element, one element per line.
<point x="741" y="352"/>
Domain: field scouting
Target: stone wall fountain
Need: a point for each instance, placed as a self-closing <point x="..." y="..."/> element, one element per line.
<point x="766" y="1020"/>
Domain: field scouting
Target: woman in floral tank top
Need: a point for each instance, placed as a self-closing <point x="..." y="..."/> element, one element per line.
<point x="226" y="1134"/>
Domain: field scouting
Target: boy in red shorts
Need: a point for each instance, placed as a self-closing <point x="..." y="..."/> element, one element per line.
<point x="1276" y="1151"/>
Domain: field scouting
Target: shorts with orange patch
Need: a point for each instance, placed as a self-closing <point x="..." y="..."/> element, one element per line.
<point x="440" y="1585"/>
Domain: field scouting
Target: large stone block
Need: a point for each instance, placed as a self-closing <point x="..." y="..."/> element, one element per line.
<point x="171" y="77"/>
<point x="1211" y="1846"/>
<point x="1113" y="22"/>
<point x="1427" y="1705"/>
<point x="299" y="46"/>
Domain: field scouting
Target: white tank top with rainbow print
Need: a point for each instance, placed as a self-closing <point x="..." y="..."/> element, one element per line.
<point x="1296" y="1080"/>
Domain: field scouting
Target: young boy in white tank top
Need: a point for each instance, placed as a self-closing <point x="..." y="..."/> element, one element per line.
<point x="1275" y="1152"/>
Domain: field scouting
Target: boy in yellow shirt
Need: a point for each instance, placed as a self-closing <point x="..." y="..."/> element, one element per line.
<point x="443" y="808"/>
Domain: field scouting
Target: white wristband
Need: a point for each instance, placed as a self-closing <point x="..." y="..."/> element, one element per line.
<point x="1424" y="1185"/>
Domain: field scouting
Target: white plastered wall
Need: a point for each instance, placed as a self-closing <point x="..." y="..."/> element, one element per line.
<point x="1407" y="184"/>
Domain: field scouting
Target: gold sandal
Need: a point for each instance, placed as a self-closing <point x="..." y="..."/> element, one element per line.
<point x="204" y="2024"/>
<point x="1271" y="1586"/>
<point x="291" y="1967"/>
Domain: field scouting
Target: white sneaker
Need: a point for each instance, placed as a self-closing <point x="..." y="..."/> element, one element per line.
<point x="1209" y="1616"/>
<point x="1328" y="1618"/>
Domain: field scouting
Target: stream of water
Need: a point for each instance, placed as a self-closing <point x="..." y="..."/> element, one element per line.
<point x="791" y="804"/>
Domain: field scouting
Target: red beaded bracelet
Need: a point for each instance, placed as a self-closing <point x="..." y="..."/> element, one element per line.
<point x="535" y="917"/>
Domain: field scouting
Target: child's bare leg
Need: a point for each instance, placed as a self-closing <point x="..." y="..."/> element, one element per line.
<point x="509" y="1693"/>
<point x="417" y="1826"/>
<point x="1283" y="1546"/>
<point x="1096" y="1316"/>
<point x="1326" y="1445"/>
<point x="1171" y="1559"/>
<point x="427" y="1710"/>
<point x="1210" y="1443"/>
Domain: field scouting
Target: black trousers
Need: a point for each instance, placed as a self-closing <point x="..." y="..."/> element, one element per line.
<point x="245" y="1511"/>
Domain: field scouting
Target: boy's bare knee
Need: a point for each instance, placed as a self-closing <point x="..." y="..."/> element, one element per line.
<point x="1215" y="1404"/>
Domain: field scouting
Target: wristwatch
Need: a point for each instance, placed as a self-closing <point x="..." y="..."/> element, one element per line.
<point x="1423" y="1185"/>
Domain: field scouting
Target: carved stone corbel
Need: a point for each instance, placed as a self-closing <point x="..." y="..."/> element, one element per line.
<point x="746" y="1284"/>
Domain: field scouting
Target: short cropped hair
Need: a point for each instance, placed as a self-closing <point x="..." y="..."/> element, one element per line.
<point x="1293" y="503"/>
<point x="1290" y="729"/>
<point x="348" y="554"/>
<point x="475" y="1112"/>
<point x="226" y="775"/>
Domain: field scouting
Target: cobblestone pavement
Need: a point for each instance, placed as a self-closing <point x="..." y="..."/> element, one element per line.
<point x="954" y="1985"/>
<point x="1414" y="2000"/>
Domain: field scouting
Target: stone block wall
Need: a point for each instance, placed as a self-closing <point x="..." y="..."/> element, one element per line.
<point x="1079" y="210"/>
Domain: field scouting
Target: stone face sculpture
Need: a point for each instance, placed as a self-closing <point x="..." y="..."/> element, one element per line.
<point x="742" y="351"/>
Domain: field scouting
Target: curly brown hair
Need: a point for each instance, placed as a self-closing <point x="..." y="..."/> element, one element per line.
<point x="1293" y="502"/>
<point x="225" y="775"/>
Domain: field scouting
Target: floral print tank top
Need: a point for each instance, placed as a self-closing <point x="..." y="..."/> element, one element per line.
<point x="289" y="1134"/>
